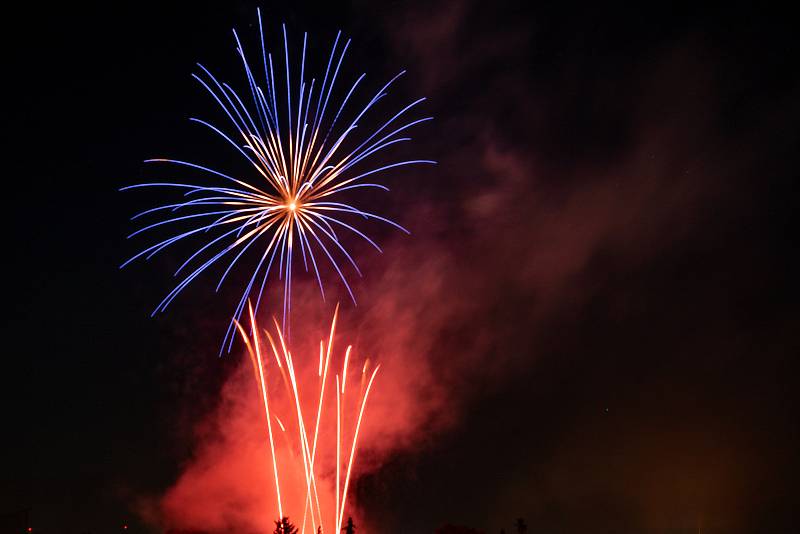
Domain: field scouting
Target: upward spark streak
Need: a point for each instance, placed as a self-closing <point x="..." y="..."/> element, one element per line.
<point x="263" y="389"/>
<point x="308" y="443"/>
<point x="292" y="198"/>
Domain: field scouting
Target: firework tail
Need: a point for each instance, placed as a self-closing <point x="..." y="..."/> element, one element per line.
<point x="309" y="443"/>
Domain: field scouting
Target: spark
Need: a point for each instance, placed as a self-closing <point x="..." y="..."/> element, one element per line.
<point x="278" y="419"/>
<point x="301" y="160"/>
<point x="263" y="390"/>
<point x="308" y="442"/>
<point x="344" y="366"/>
<point x="353" y="448"/>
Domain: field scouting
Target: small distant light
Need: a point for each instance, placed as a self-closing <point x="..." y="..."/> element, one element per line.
<point x="30" y="529"/>
<point x="124" y="527"/>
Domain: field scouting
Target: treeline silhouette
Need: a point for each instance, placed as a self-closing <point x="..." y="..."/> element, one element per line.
<point x="285" y="526"/>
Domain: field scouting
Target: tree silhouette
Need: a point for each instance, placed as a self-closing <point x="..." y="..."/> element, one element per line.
<point x="522" y="527"/>
<point x="349" y="528"/>
<point x="284" y="526"/>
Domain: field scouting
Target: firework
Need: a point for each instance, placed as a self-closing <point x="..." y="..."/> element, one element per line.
<point x="301" y="157"/>
<point x="306" y="441"/>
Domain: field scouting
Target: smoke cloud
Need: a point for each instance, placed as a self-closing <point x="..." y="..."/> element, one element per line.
<point x="506" y="233"/>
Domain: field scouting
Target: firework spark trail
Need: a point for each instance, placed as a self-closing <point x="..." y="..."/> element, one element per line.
<point x="353" y="448"/>
<point x="290" y="384"/>
<point x="308" y="444"/>
<point x="323" y="380"/>
<point x="303" y="436"/>
<point x="291" y="390"/>
<point x="263" y="390"/>
<point x="338" y="446"/>
<point x="291" y="199"/>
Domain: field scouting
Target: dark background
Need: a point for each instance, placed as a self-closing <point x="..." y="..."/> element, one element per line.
<point x="664" y="398"/>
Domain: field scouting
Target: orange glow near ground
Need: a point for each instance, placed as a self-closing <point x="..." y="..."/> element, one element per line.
<point x="306" y="424"/>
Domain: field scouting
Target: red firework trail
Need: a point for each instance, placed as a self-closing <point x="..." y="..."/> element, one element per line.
<point x="307" y="441"/>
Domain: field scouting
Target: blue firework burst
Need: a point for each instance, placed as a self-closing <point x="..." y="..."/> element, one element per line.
<point x="290" y="198"/>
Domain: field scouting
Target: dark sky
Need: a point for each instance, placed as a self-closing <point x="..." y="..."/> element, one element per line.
<point x="615" y="209"/>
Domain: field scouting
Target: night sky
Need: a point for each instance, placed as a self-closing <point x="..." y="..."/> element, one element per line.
<point x="601" y="276"/>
